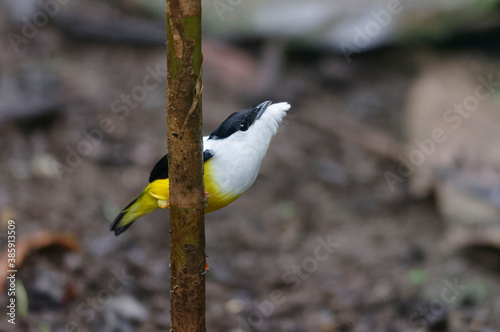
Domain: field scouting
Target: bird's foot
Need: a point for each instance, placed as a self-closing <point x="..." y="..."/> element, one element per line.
<point x="207" y="268"/>
<point x="162" y="202"/>
<point x="205" y="199"/>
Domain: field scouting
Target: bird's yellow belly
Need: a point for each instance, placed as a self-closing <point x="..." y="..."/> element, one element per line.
<point x="217" y="198"/>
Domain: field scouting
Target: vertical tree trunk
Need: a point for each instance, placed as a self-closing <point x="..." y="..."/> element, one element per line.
<point x="187" y="226"/>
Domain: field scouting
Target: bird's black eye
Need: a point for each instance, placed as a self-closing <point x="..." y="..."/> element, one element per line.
<point x="243" y="126"/>
<point x="236" y="122"/>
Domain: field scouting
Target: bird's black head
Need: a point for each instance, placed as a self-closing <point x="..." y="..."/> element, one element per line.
<point x="239" y="121"/>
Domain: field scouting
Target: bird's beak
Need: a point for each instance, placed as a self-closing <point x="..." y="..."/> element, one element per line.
<point x="261" y="108"/>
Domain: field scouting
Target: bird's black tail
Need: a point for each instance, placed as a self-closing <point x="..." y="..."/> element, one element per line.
<point x="144" y="203"/>
<point x="121" y="224"/>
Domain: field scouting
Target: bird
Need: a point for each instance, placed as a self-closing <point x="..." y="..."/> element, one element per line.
<point x="232" y="155"/>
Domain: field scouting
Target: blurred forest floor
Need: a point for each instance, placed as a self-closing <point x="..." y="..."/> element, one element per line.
<point x="383" y="262"/>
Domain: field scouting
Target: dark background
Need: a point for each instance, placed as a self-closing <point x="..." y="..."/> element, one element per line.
<point x="414" y="245"/>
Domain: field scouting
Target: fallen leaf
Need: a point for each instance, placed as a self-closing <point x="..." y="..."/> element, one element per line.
<point x="26" y="245"/>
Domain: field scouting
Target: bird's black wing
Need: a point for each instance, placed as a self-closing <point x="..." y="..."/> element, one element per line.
<point x="207" y="154"/>
<point x="160" y="171"/>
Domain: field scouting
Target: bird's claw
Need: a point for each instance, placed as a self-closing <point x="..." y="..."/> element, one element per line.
<point x="162" y="202"/>
<point x="207" y="268"/>
<point x="205" y="199"/>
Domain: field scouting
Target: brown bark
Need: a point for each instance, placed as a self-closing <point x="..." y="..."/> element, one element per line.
<point x="187" y="227"/>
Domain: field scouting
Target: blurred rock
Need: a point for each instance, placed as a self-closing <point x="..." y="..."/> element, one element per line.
<point x="42" y="166"/>
<point x="414" y="254"/>
<point x="322" y="320"/>
<point x="20" y="8"/>
<point x="100" y="246"/>
<point x="331" y="172"/>
<point x="129" y="308"/>
<point x="235" y="306"/>
<point x="19" y="168"/>
<point x="90" y="21"/>
<point x="31" y="92"/>
<point x="350" y="26"/>
<point x="108" y="321"/>
<point x="231" y="65"/>
<point x="155" y="9"/>
<point x="453" y="138"/>
<point x="48" y="288"/>
<point x="463" y="237"/>
<point x="469" y="197"/>
<point x="137" y="256"/>
<point x="381" y="292"/>
<point x="73" y="261"/>
<point x="124" y="30"/>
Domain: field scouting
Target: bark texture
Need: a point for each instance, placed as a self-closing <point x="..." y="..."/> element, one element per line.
<point x="187" y="226"/>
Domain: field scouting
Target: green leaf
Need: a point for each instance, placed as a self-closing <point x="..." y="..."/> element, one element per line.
<point x="21" y="299"/>
<point x="43" y="327"/>
<point x="286" y="209"/>
<point x="418" y="276"/>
